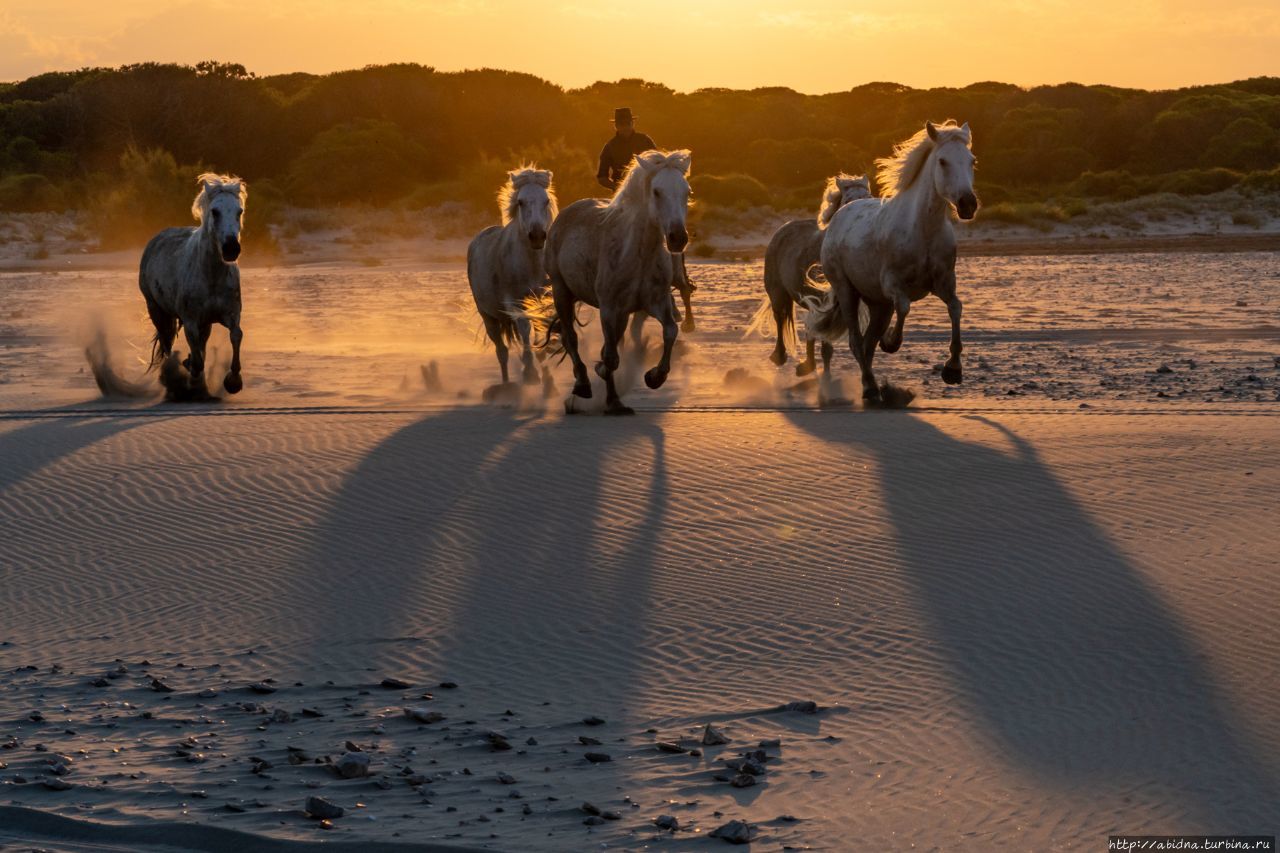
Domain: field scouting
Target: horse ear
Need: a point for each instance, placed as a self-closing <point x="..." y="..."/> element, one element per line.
<point x="964" y="128"/>
<point x="933" y="130"/>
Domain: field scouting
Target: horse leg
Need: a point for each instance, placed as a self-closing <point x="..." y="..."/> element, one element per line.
<point x="685" y="287"/>
<point x="614" y="326"/>
<point x="951" y="372"/>
<point x="637" y="331"/>
<point x="494" y="329"/>
<point x="892" y="339"/>
<point x="827" y="352"/>
<point x="780" y="304"/>
<point x="565" y="305"/>
<point x="807" y="366"/>
<point x="197" y="337"/>
<point x="870" y="391"/>
<point x="232" y="381"/>
<point x="879" y="315"/>
<point x="166" y="330"/>
<point x="530" y="373"/>
<point x="655" y="376"/>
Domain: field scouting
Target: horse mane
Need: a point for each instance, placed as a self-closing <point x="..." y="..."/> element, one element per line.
<point x="632" y="189"/>
<point x="523" y="176"/>
<point x="213" y="185"/>
<point x="897" y="173"/>
<point x="841" y="189"/>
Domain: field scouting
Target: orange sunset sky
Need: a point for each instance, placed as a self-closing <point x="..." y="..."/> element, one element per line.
<point x="809" y="45"/>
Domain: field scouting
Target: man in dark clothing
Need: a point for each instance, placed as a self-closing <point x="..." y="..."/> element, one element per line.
<point x="615" y="157"/>
<point x="618" y="152"/>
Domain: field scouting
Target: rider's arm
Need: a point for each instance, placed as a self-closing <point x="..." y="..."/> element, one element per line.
<point x="602" y="173"/>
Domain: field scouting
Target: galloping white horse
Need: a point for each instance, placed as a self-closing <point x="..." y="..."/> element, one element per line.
<point x="189" y="277"/>
<point x="616" y="255"/>
<point x="893" y="251"/>
<point x="504" y="263"/>
<point x="793" y="249"/>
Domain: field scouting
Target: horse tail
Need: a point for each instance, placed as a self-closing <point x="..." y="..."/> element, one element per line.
<point x="544" y="320"/>
<point x="825" y="319"/>
<point x="758" y="319"/>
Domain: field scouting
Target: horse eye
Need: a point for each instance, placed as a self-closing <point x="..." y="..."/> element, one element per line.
<point x="943" y="163"/>
<point x="658" y="193"/>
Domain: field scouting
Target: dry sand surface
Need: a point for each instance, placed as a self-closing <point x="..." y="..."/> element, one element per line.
<point x="1007" y="621"/>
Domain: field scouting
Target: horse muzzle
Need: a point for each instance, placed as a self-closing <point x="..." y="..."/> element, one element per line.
<point x="677" y="239"/>
<point x="537" y="239"/>
<point x="967" y="206"/>
<point x="230" y="250"/>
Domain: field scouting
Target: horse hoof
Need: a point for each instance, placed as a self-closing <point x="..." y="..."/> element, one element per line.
<point x="688" y="325"/>
<point x="531" y="376"/>
<point x="654" y="379"/>
<point x="804" y="368"/>
<point x="617" y="408"/>
<point x="232" y="384"/>
<point x="600" y="371"/>
<point x="952" y="375"/>
<point x="890" y="346"/>
<point x="871" y="393"/>
<point x="582" y="389"/>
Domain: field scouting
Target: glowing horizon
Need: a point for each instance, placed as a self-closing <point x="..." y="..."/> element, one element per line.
<point x="812" y="46"/>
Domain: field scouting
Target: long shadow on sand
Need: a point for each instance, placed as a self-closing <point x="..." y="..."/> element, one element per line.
<point x="1083" y="676"/>
<point x="29" y="449"/>
<point x="461" y="553"/>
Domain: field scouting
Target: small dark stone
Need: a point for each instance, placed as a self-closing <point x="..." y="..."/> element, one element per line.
<point x="597" y="757"/>
<point x="498" y="741"/>
<point x="506" y="779"/>
<point x="735" y="832"/>
<point x="590" y="808"/>
<point x="588" y="741"/>
<point x="668" y="822"/>
<point x="670" y="746"/>
<point x="592" y="721"/>
<point x="448" y="685"/>
<point x="319" y="807"/>
<point x="743" y="780"/>
<point x="395" y="684"/>
<point x="160" y="687"/>
<point x="593" y="821"/>
<point x="262" y="687"/>
<point x="713" y="737"/>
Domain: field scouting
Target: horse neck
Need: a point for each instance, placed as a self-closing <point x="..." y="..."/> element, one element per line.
<point x="209" y="255"/>
<point x="920" y="207"/>
<point x="513" y="235"/>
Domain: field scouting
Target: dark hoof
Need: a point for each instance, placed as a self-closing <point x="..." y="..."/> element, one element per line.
<point x="600" y="370"/>
<point x="871" y="393"/>
<point x="804" y="368"/>
<point x="582" y="388"/>
<point x="778" y="357"/>
<point x="890" y="346"/>
<point x="952" y="375"/>
<point x="688" y="325"/>
<point x="233" y="384"/>
<point x="654" y="378"/>
<point x="617" y="408"/>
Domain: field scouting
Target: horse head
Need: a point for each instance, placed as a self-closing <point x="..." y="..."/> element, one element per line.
<point x="529" y="200"/>
<point x="666" y="179"/>
<point x="219" y="207"/>
<point x="953" y="177"/>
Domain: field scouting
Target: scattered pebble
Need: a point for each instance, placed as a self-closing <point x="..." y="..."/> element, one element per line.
<point x="736" y="832"/>
<point x="319" y="807"/>
<point x="713" y="737"/>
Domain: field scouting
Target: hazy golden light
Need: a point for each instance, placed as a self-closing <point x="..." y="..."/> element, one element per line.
<point x="809" y="45"/>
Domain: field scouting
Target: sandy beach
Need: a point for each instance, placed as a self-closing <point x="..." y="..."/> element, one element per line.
<point x="989" y="621"/>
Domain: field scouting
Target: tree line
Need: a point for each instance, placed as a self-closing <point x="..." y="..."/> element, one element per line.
<point x="133" y="137"/>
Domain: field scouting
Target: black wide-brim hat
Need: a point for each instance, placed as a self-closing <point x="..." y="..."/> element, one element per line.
<point x="623" y="114"/>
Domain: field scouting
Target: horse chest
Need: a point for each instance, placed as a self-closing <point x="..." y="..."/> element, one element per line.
<point x="919" y="275"/>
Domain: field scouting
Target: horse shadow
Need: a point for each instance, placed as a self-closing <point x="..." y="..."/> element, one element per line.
<point x="458" y="545"/>
<point x="29" y="449"/>
<point x="1080" y="674"/>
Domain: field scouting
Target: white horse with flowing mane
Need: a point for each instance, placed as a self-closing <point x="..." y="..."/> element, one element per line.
<point x="190" y="278"/>
<point x="793" y="249"/>
<point x="504" y="263"/>
<point x="895" y="250"/>
<point x="616" y="255"/>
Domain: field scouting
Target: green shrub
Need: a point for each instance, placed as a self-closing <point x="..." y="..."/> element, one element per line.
<point x="150" y="191"/>
<point x="1200" y="181"/>
<point x="30" y="193"/>
<point x="1244" y="217"/>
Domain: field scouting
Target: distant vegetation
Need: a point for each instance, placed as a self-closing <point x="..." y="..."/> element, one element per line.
<point x="126" y="143"/>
